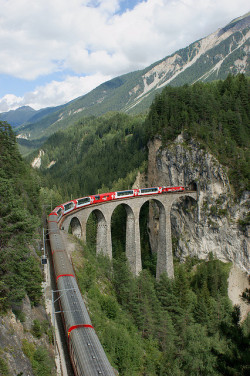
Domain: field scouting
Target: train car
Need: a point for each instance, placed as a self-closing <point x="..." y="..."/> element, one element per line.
<point x="102" y="197"/>
<point x="82" y="202"/>
<point x="56" y="214"/>
<point x="173" y="189"/>
<point x="86" y="353"/>
<point x="69" y="206"/>
<point x="150" y="191"/>
<point x="125" y="194"/>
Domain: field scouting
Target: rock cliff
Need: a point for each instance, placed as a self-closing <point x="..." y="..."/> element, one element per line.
<point x="212" y="223"/>
<point x="21" y="351"/>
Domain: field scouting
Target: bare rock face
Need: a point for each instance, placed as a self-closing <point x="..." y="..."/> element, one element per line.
<point x="212" y="223"/>
<point x="14" y="334"/>
<point x="11" y="336"/>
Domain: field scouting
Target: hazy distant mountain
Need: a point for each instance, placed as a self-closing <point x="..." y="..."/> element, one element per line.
<point x="26" y="114"/>
<point x="19" y="116"/>
<point x="211" y="58"/>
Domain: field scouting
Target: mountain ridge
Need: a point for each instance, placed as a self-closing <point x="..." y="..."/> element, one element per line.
<point x="19" y="116"/>
<point x="213" y="57"/>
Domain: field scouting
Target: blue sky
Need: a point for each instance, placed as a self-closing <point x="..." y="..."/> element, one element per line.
<point x="52" y="51"/>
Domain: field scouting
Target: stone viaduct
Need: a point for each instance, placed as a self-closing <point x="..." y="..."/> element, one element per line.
<point x="78" y="221"/>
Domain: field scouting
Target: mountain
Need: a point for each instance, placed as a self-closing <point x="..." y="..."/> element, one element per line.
<point x="26" y="114"/>
<point x="211" y="58"/>
<point x="18" y="116"/>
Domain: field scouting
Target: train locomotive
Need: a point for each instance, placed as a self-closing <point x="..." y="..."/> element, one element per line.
<point x="87" y="355"/>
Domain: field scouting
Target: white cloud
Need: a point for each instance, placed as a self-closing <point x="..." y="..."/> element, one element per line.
<point x="93" y="38"/>
<point x="9" y="102"/>
<point x="54" y="93"/>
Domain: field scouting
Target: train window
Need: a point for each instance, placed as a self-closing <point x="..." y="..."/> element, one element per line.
<point x="97" y="197"/>
<point x="124" y="193"/>
<point x="84" y="200"/>
<point x="149" y="190"/>
<point x="68" y="206"/>
<point x="59" y="211"/>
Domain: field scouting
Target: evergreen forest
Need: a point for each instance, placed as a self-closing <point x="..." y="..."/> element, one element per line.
<point x="180" y="327"/>
<point x="20" y="272"/>
<point x="185" y="326"/>
<point x="20" y="249"/>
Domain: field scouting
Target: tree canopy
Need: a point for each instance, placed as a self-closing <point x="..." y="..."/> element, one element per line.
<point x="19" y="207"/>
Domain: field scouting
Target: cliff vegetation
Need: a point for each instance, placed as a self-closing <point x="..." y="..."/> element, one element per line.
<point x="19" y="209"/>
<point x="21" y="352"/>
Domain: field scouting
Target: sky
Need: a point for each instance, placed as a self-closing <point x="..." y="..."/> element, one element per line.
<point x="53" y="51"/>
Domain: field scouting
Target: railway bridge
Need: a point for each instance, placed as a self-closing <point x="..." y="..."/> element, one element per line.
<point x="77" y="220"/>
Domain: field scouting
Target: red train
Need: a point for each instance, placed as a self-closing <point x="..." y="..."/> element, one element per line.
<point x="69" y="206"/>
<point x="86" y="352"/>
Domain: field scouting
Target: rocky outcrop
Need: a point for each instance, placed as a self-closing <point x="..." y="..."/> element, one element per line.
<point x="16" y="336"/>
<point x="212" y="224"/>
<point x="11" y="337"/>
<point x="37" y="161"/>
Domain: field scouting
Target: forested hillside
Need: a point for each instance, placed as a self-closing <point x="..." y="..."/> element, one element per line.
<point x="95" y="154"/>
<point x="19" y="209"/>
<point x="20" y="271"/>
<point x="182" y="327"/>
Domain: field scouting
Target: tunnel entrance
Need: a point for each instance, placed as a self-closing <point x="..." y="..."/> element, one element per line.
<point x="192" y="186"/>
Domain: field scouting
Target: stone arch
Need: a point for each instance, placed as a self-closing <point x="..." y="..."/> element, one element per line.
<point x="184" y="196"/>
<point x="156" y="228"/>
<point x="183" y="211"/>
<point x="75" y="227"/>
<point x="102" y="233"/>
<point x="159" y="220"/>
<point x="132" y="246"/>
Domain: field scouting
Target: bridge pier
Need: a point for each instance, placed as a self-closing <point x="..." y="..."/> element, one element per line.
<point x="133" y="241"/>
<point x="103" y="236"/>
<point x="164" y="253"/>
